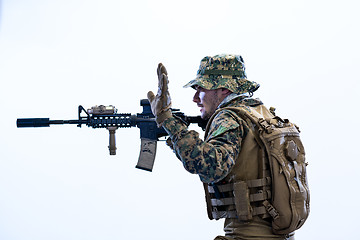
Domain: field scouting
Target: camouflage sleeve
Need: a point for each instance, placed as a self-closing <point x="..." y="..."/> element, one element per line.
<point x="213" y="158"/>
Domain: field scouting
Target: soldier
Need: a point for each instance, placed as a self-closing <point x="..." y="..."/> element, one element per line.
<point x="229" y="152"/>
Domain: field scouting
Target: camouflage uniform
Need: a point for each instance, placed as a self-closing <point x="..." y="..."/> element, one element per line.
<point x="213" y="158"/>
<point x="219" y="157"/>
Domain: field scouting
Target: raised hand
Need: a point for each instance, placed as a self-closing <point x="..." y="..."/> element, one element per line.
<point x="161" y="102"/>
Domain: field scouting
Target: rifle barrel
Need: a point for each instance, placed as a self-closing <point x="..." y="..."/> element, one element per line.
<point x="32" y="122"/>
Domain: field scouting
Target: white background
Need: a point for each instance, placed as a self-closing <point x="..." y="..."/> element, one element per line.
<point x="61" y="183"/>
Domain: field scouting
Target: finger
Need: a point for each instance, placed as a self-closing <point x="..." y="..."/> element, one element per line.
<point x="158" y="70"/>
<point x="163" y="85"/>
<point x="151" y="96"/>
<point x="161" y="69"/>
<point x="159" y="78"/>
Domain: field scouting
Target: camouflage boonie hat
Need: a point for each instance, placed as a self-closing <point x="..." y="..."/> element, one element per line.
<point x="223" y="71"/>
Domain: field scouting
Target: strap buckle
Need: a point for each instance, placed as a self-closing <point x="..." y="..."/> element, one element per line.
<point x="264" y="124"/>
<point x="271" y="210"/>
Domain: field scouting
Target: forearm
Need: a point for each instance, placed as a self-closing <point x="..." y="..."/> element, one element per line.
<point x="211" y="160"/>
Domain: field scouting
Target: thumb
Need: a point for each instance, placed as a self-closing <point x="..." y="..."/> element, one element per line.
<point x="151" y="96"/>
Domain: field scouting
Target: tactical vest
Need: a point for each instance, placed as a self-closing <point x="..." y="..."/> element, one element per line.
<point x="269" y="176"/>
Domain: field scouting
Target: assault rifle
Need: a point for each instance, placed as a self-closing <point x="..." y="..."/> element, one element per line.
<point x="107" y="117"/>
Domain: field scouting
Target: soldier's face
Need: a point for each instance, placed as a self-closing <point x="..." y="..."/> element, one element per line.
<point x="208" y="101"/>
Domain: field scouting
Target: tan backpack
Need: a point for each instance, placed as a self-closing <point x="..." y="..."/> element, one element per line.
<point x="290" y="197"/>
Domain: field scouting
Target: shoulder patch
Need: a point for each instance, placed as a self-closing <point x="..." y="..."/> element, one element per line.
<point x="223" y="121"/>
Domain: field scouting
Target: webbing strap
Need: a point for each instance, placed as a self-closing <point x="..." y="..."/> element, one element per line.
<point x="222" y="201"/>
<point x="233" y="214"/>
<point x="261" y="196"/>
<point x="251" y="184"/>
<point x="259" y="211"/>
<point x="259" y="182"/>
<point x="224" y="214"/>
<point x="222" y="188"/>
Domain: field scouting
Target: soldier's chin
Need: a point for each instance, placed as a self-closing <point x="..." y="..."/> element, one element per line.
<point x="204" y="115"/>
